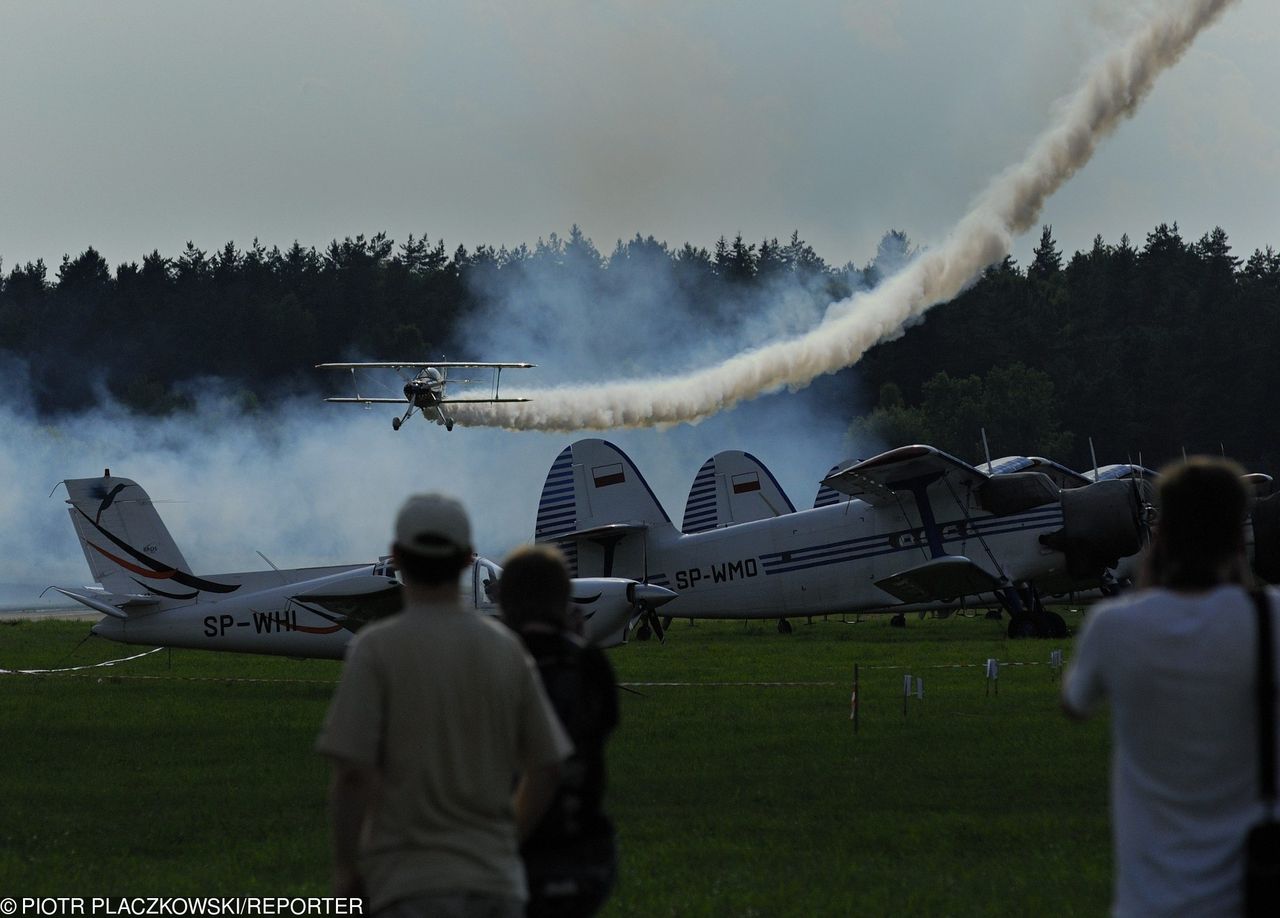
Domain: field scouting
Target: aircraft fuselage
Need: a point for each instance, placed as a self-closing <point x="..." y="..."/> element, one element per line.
<point x="828" y="559"/>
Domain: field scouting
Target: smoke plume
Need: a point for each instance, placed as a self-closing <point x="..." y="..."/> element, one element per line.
<point x="1110" y="92"/>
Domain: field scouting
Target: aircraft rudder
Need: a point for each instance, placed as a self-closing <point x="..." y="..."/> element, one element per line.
<point x="733" y="487"/>
<point x="591" y="484"/>
<point x="125" y="543"/>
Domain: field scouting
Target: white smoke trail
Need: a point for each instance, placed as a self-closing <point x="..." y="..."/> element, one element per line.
<point x="1111" y="91"/>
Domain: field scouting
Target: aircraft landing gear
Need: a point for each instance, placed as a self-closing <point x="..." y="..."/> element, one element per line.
<point x="1029" y="618"/>
<point x="395" y="423"/>
<point x="898" y="621"/>
<point x="448" y="423"/>
<point x="784" y="626"/>
<point x="644" y="632"/>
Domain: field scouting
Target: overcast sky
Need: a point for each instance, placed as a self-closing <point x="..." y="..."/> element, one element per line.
<point x="138" y="125"/>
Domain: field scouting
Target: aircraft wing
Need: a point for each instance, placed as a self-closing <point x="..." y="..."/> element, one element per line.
<point x="1122" y="470"/>
<point x="348" y="400"/>
<point x="478" y="401"/>
<point x="1058" y="473"/>
<point x="879" y="480"/>
<point x="606" y="532"/>
<point x="112" y="604"/>
<point x="421" y="365"/>
<point x="940" y="579"/>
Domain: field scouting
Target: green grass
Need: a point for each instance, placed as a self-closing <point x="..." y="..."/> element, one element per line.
<point x="192" y="773"/>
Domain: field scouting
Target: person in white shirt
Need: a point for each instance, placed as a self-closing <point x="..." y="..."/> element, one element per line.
<point x="1176" y="661"/>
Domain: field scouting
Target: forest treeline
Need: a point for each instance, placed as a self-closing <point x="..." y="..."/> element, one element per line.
<point x="1147" y="350"/>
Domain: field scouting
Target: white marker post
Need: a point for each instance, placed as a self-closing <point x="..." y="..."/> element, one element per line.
<point x="920" y="687"/>
<point x="1055" y="661"/>
<point x="993" y="675"/>
<point x="906" y="693"/>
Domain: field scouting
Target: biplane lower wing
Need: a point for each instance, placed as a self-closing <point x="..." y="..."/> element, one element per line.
<point x="348" y="400"/>
<point x="939" y="580"/>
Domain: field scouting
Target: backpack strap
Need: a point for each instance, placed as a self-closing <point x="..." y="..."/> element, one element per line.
<point x="1266" y="689"/>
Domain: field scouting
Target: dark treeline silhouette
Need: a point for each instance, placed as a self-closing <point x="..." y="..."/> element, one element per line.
<point x="1147" y="350"/>
<point x="260" y="319"/>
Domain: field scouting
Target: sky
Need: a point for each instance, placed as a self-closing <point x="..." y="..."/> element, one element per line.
<point x="135" y="126"/>
<point x="142" y="124"/>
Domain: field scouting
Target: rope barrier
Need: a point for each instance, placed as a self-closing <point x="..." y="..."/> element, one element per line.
<point x="72" y="669"/>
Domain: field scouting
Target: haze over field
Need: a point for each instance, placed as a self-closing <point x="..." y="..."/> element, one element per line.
<point x="773" y="125"/>
<point x="1113" y="88"/>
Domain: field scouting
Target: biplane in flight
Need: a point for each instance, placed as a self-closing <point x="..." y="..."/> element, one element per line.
<point x="426" y="389"/>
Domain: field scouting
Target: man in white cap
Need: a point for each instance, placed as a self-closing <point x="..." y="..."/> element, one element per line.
<point x="437" y="710"/>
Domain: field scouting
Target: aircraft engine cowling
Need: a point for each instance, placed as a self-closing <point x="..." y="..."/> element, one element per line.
<point x="611" y="607"/>
<point x="1266" y="537"/>
<point x="1101" y="523"/>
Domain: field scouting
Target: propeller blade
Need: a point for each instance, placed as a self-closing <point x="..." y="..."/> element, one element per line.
<point x="655" y="623"/>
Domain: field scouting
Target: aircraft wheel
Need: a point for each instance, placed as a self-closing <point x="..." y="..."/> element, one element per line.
<point x="448" y="423"/>
<point x="993" y="615"/>
<point x="1057" y="625"/>
<point x="644" y="632"/>
<point x="784" y="626"/>
<point x="898" y="621"/>
<point x="395" y="423"/>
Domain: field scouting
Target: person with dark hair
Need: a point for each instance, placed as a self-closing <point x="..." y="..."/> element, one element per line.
<point x="437" y="709"/>
<point x="1177" y="662"/>
<point x="570" y="857"/>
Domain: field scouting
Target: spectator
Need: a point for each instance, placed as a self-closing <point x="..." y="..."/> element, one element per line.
<point x="437" y="709"/>
<point x="1177" y="663"/>
<point x="570" y="858"/>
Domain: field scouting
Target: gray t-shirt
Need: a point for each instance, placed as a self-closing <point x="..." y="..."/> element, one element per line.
<point x="448" y="707"/>
<point x="1179" y="672"/>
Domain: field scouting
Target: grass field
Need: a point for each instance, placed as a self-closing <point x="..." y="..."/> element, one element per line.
<point x="191" y="773"/>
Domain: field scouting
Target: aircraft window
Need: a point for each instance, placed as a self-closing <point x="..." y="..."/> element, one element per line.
<point x="907" y="539"/>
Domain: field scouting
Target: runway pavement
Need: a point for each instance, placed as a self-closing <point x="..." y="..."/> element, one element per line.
<point x="74" y="614"/>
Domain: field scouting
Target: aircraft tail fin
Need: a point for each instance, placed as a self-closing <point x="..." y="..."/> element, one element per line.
<point x="597" y="507"/>
<point x="126" y="544"/>
<point x="733" y="487"/>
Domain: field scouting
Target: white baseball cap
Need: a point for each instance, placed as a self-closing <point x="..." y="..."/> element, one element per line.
<point x="433" y="525"/>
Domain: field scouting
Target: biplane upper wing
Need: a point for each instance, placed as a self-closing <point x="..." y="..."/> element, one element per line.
<point x="1058" y="473"/>
<point x="361" y="400"/>
<point x="880" y="479"/>
<point x="1122" y="470"/>
<point x="479" y="401"/>
<point x="422" y="365"/>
